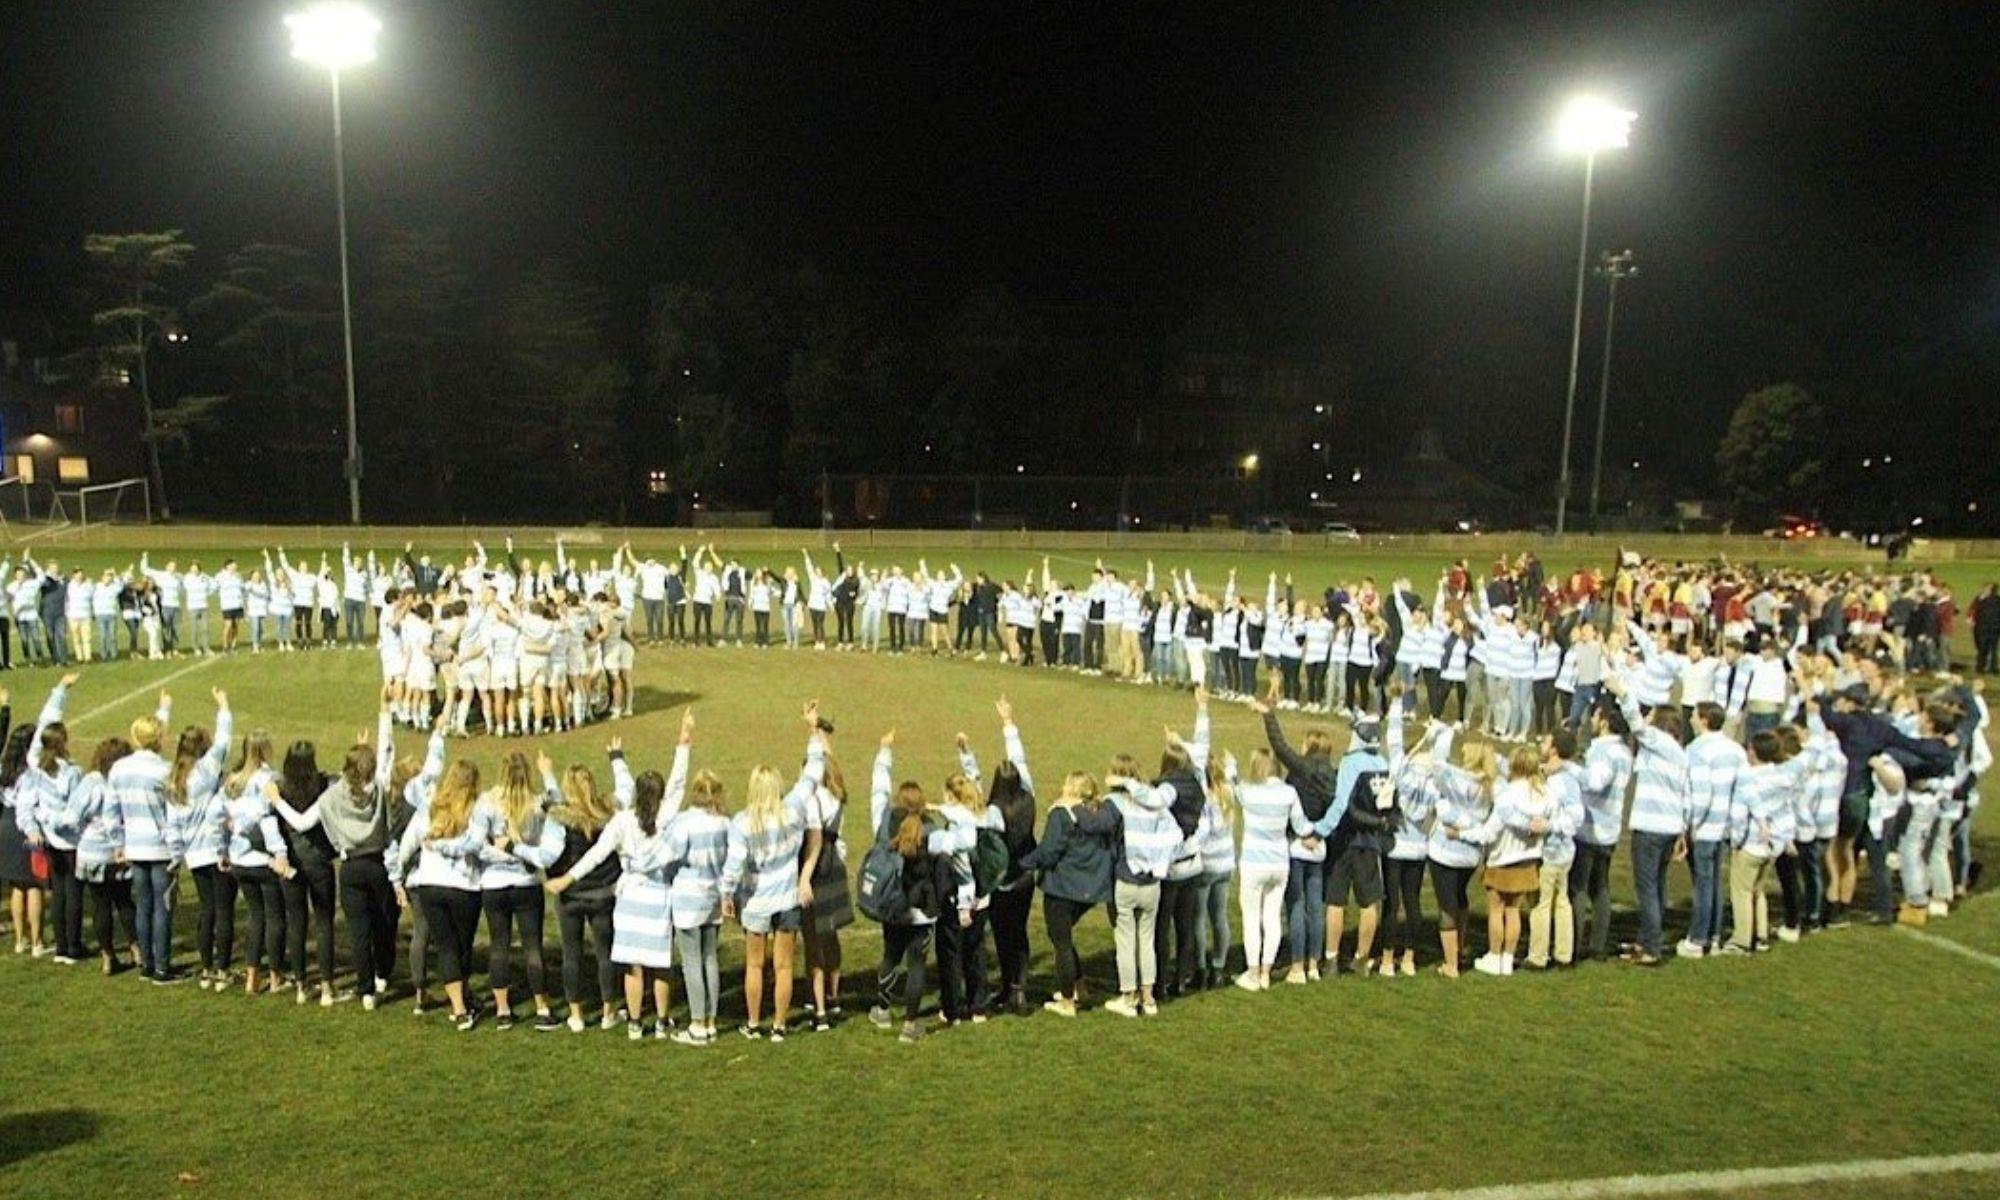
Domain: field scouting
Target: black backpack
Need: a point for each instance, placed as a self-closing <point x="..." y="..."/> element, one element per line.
<point x="1189" y="800"/>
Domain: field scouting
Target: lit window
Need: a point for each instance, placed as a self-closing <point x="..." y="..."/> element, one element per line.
<point x="24" y="467"/>
<point x="69" y="418"/>
<point x="71" y="468"/>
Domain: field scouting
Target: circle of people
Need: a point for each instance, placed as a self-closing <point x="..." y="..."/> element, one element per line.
<point x="1748" y="723"/>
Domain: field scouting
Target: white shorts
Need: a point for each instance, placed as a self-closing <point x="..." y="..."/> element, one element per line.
<point x="534" y="670"/>
<point x="618" y="657"/>
<point x="506" y="674"/>
<point x="394" y="665"/>
<point x="476" y="675"/>
<point x="422" y="674"/>
<point x="578" y="663"/>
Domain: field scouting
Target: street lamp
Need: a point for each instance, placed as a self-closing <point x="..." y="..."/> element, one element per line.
<point x="1586" y="127"/>
<point x="1613" y="267"/>
<point x="337" y="36"/>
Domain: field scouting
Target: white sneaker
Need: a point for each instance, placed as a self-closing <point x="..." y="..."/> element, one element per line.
<point x="1788" y="933"/>
<point x="1940" y="909"/>
<point x="1248" y="982"/>
<point x="1123" y="1006"/>
<point x="368" y="1002"/>
<point x="608" y="1023"/>
<point x="1506" y="964"/>
<point x="1688" y="949"/>
<point x="1488" y="964"/>
<point x="576" y="1023"/>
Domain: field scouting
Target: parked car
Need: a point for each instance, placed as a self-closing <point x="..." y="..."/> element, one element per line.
<point x="1794" y="528"/>
<point x="1340" y="531"/>
<point x="1270" y="525"/>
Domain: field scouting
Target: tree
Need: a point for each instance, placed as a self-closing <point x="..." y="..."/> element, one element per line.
<point x="562" y="384"/>
<point x="133" y="266"/>
<point x="1774" y="452"/>
<point x="274" y="321"/>
<point x="426" y="366"/>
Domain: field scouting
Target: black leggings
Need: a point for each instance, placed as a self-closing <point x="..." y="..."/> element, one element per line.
<point x="704" y="623"/>
<point x="502" y="906"/>
<point x="898" y="630"/>
<point x="1444" y="690"/>
<point x="961" y="963"/>
<point x="453" y="917"/>
<point x="818" y="618"/>
<point x="1009" y="915"/>
<point x="215" y="929"/>
<point x="1545" y="705"/>
<point x="574" y="916"/>
<point x="1180" y="907"/>
<point x="309" y="887"/>
<point x="1449" y="885"/>
<point x="66" y="897"/>
<point x="904" y="949"/>
<point x="265" y="939"/>
<point x="1357" y="686"/>
<point x="108" y="896"/>
<point x="370" y="905"/>
<point x="1061" y="916"/>
<point x="1290" y="669"/>
<point x="1403" y="896"/>
<point x="843" y="620"/>
<point x="762" y="622"/>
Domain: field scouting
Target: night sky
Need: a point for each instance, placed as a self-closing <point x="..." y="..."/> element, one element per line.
<point x="1813" y="190"/>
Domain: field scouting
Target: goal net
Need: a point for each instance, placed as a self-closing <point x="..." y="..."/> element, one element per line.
<point x="123" y="502"/>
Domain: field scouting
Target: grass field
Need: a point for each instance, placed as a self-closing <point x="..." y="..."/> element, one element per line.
<point x="1860" y="1043"/>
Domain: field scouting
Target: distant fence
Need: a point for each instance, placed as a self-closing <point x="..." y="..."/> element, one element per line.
<point x="600" y="540"/>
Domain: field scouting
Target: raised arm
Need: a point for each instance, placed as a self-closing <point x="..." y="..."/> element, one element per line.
<point x="1010" y="734"/>
<point x="879" y="783"/>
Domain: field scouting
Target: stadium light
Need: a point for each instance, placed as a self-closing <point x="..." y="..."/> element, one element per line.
<point x="1249" y="462"/>
<point x="336" y="37"/>
<point x="1587" y="126"/>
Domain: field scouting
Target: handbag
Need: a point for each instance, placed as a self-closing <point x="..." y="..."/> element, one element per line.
<point x="38" y="864"/>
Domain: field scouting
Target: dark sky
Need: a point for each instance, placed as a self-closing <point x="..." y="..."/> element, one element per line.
<point x="1813" y="190"/>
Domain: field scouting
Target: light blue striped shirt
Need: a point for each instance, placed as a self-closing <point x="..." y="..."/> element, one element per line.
<point x="697" y="843"/>
<point x="1660" y="772"/>
<point x="1271" y="810"/>
<point x="1607" y="773"/>
<point x="1715" y="762"/>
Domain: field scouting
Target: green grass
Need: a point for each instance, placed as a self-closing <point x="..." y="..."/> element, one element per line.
<point x="1860" y="1043"/>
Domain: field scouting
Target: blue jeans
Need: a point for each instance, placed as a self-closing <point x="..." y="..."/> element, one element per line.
<point x="170" y="629"/>
<point x="1212" y="920"/>
<point x="1705" y="864"/>
<point x="56" y="630"/>
<point x="153" y="922"/>
<point x="656" y="611"/>
<point x="351" y="613"/>
<point x="1650" y="855"/>
<point x="1583" y="702"/>
<point x="1755" y="723"/>
<point x="1163" y="660"/>
<point x="107" y="635"/>
<point x="30" y="636"/>
<point x="1305" y="912"/>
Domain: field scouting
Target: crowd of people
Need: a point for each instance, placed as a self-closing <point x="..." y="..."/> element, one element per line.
<point x="1763" y="726"/>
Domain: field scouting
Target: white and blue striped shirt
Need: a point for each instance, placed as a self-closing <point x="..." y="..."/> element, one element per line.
<point x="1660" y="773"/>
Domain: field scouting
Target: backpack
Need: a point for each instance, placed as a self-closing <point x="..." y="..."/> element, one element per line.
<point x="991" y="861"/>
<point x="1189" y="800"/>
<point x="882" y="897"/>
<point x="1369" y="788"/>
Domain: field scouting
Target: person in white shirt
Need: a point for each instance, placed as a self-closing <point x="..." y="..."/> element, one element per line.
<point x="538" y="636"/>
<point x="229" y="594"/>
<point x="653" y="597"/>
<point x="76" y="611"/>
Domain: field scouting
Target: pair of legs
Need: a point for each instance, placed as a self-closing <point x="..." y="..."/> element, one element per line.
<point x="774" y="944"/>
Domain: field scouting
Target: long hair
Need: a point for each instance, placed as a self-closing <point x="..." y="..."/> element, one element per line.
<point x="256" y="757"/>
<point x="1080" y="788"/>
<point x="55" y="746"/>
<point x="909" y="813"/>
<point x="1483" y="764"/>
<point x="1525" y="766"/>
<point x="147" y="732"/>
<point x="959" y="786"/>
<point x="1015" y="802"/>
<point x="763" y="800"/>
<point x="585" y="807"/>
<point x="518" y="799"/>
<point x="1220" y="791"/>
<point x="358" y="768"/>
<point x="195" y="742"/>
<point x="1174" y="760"/>
<point x="833" y="779"/>
<point x="14" y="755"/>
<point x="299" y="781"/>
<point x="451" y="806"/>
<point x="647" y="793"/>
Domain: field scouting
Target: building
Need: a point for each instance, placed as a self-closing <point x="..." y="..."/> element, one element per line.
<point x="62" y="433"/>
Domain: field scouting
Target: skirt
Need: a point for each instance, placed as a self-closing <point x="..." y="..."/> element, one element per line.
<point x="15" y="868"/>
<point x="1515" y="879"/>
<point x="833" y="902"/>
<point x="641" y="934"/>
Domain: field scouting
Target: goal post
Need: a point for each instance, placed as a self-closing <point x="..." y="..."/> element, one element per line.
<point x="123" y="501"/>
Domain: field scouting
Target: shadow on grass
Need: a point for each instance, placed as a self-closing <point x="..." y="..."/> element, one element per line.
<point x="23" y="1135"/>
<point x="651" y="699"/>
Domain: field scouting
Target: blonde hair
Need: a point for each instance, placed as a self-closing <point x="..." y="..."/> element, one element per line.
<point x="517" y="796"/>
<point x="585" y="806"/>
<point x="1525" y="765"/>
<point x="705" y="792"/>
<point x="763" y="799"/>
<point x="1483" y="764"/>
<point x="959" y="786"/>
<point x="1263" y="766"/>
<point x="1080" y="786"/>
<point x="146" y="733"/>
<point x="256" y="758"/>
<point x="451" y="805"/>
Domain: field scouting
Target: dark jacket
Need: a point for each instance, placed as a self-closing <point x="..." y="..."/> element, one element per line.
<point x="1312" y="778"/>
<point x="1864" y="735"/>
<point x="1075" y="854"/>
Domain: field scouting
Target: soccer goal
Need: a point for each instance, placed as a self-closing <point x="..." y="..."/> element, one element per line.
<point x="123" y="502"/>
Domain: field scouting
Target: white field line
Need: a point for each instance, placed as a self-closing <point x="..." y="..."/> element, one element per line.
<point x="1700" y="1182"/>
<point x="147" y="689"/>
<point x="1931" y="939"/>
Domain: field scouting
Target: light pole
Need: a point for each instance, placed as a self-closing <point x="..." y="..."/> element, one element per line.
<point x="1613" y="267"/>
<point x="1586" y="127"/>
<point x="338" y="36"/>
